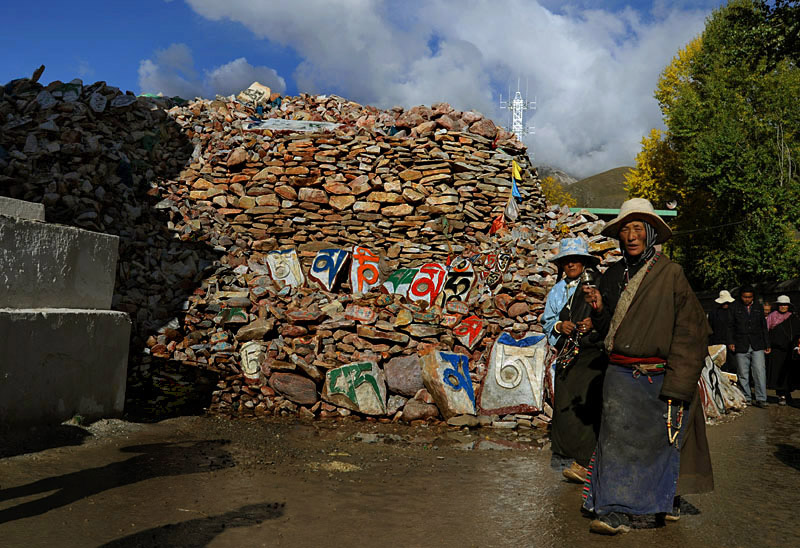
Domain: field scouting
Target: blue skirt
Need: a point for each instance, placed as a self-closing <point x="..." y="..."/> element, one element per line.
<point x="634" y="469"/>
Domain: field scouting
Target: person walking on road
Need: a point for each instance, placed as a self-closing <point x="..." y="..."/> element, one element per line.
<point x="784" y="332"/>
<point x="578" y="391"/>
<point x="749" y="340"/>
<point x="652" y="444"/>
<point x="718" y="319"/>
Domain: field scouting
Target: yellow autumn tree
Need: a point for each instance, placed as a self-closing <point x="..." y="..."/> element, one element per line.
<point x="556" y="194"/>
<point x="674" y="77"/>
<point x="656" y="176"/>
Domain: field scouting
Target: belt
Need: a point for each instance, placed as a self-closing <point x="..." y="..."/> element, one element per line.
<point x="641" y="366"/>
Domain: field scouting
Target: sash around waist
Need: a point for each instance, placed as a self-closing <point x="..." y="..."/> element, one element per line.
<point x="649" y="365"/>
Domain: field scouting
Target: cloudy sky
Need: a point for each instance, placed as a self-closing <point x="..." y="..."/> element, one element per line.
<point x="591" y="65"/>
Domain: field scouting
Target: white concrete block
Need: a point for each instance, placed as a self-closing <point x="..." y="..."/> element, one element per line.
<point x="21" y="209"/>
<point x="55" y="266"/>
<point x="56" y="363"/>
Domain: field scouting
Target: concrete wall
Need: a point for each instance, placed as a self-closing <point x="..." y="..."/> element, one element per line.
<point x="56" y="363"/>
<point x="21" y="209"/>
<point x="45" y="265"/>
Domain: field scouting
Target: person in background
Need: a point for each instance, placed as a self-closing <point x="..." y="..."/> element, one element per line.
<point x="784" y="331"/>
<point x="652" y="445"/>
<point x="767" y="308"/>
<point x="577" y="399"/>
<point x="718" y="319"/>
<point x="748" y="339"/>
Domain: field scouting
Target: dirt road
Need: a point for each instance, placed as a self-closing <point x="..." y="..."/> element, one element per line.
<point x="198" y="481"/>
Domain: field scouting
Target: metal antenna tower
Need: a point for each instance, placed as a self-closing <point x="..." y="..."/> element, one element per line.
<point x="518" y="106"/>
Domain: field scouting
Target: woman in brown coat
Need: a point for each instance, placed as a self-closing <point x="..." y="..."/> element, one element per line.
<point x="652" y="444"/>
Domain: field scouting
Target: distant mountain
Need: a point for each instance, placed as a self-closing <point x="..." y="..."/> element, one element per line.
<point x="561" y="177"/>
<point x="606" y="190"/>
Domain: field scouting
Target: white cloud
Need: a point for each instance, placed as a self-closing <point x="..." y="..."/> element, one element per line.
<point x="593" y="71"/>
<point x="238" y="74"/>
<point x="173" y="73"/>
<point x="85" y="70"/>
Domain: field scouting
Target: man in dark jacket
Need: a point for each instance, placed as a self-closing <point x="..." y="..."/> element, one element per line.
<point x="747" y="337"/>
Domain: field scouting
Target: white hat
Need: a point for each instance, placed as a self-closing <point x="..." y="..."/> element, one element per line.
<point x="783" y="299"/>
<point x="638" y="208"/>
<point x="724" y="297"/>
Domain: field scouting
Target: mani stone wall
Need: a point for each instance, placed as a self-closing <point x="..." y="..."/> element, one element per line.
<point x="203" y="193"/>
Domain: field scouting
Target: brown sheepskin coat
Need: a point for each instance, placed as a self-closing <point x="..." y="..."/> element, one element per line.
<point x="665" y="319"/>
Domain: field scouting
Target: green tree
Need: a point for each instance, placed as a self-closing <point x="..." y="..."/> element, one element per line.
<point x="731" y="104"/>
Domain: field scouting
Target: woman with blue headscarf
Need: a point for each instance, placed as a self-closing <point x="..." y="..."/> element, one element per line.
<point x="579" y="367"/>
<point x="652" y="443"/>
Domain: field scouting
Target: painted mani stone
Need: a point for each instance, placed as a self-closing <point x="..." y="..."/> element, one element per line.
<point x="364" y="273"/>
<point x="326" y="267"/>
<point x="357" y="386"/>
<point x="446" y="377"/>
<point x="427" y="283"/>
<point x="460" y="279"/>
<point x="470" y="331"/>
<point x="457" y="307"/>
<point x="363" y="314"/>
<point x="400" y="281"/>
<point x="514" y="381"/>
<point x="252" y="354"/>
<point x="285" y="269"/>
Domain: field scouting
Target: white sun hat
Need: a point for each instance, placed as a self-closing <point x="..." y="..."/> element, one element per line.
<point x="724" y="297"/>
<point x="638" y="209"/>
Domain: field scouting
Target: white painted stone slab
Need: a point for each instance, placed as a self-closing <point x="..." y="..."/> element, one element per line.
<point x="285" y="269"/>
<point x="514" y="382"/>
<point x="359" y="386"/>
<point x="446" y="377"/>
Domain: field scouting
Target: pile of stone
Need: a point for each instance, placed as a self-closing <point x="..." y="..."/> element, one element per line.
<point x="225" y="209"/>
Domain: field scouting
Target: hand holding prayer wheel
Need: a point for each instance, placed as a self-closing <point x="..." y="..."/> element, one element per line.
<point x="593" y="297"/>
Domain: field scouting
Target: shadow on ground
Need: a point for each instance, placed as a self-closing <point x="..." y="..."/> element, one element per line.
<point x="788" y="455"/>
<point x="152" y="461"/>
<point x="199" y="532"/>
<point x="32" y="440"/>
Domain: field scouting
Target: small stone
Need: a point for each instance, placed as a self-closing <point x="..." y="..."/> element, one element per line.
<point x="518" y="309"/>
<point x="417" y="410"/>
<point x="469" y="421"/>
<point x="237" y="157"/>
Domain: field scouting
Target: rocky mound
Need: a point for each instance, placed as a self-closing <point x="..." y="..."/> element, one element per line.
<point x="202" y="193"/>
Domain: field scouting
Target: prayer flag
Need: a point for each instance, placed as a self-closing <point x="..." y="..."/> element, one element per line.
<point x="512" y="210"/>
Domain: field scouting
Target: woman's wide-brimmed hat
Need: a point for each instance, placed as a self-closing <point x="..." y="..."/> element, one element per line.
<point x="724" y="297"/>
<point x="571" y="247"/>
<point x="638" y="209"/>
<point x="783" y="299"/>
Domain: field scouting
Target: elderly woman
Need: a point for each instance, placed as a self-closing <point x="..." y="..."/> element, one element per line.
<point x="784" y="332"/>
<point x="652" y="443"/>
<point x="577" y="401"/>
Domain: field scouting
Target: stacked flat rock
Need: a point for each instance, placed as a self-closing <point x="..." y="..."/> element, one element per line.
<point x="202" y="193"/>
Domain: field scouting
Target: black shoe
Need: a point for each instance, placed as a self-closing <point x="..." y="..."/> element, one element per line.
<point x="611" y="524"/>
<point x="761" y="404"/>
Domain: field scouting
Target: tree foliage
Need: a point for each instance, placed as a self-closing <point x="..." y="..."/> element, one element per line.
<point x="731" y="104"/>
<point x="556" y="194"/>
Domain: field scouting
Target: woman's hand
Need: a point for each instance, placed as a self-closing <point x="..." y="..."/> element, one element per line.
<point x="593" y="297"/>
<point x="585" y="325"/>
<point x="565" y="327"/>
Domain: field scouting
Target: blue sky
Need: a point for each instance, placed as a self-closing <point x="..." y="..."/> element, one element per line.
<point x="591" y="64"/>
